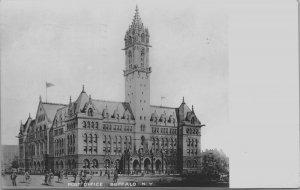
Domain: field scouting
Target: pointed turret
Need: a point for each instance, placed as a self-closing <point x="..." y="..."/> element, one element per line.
<point x="137" y="21"/>
<point x="136" y="32"/>
<point x="81" y="100"/>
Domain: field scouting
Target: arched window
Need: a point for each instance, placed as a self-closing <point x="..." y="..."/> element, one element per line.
<point x="193" y="120"/>
<point x="95" y="163"/>
<point x="69" y="141"/>
<point x="84" y="124"/>
<point x="195" y="163"/>
<point x="85" y="138"/>
<point x="188" y="163"/>
<point x="142" y="140"/>
<point x="107" y="163"/>
<point x="86" y="164"/>
<point x="95" y="138"/>
<point x="88" y="124"/>
<point x="73" y="139"/>
<point x="142" y="57"/>
<point x="143" y="37"/>
<point x="90" y="112"/>
<point x="130" y="59"/>
<point x="91" y="138"/>
<point x="125" y="143"/>
<point x="92" y="125"/>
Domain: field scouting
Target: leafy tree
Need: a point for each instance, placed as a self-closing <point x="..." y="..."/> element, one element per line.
<point x="15" y="164"/>
<point x="215" y="163"/>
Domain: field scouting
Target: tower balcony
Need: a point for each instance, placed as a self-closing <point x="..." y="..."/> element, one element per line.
<point x="138" y="69"/>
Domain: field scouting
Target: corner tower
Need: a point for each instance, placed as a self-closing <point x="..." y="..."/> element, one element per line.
<point x="137" y="77"/>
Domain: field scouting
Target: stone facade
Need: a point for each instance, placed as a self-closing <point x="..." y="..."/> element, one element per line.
<point x="102" y="136"/>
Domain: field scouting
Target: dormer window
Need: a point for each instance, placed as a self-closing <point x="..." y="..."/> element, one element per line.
<point x="90" y="112"/>
<point x="193" y="120"/>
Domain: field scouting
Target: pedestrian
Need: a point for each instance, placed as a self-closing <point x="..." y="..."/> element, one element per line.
<point x="27" y="176"/>
<point x="13" y="178"/>
<point x="115" y="176"/>
<point x="108" y="174"/>
<point x="58" y="176"/>
<point x="50" y="177"/>
<point x="61" y="176"/>
<point x="66" y="174"/>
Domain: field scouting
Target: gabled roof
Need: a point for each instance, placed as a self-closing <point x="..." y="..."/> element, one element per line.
<point x="51" y="108"/>
<point x="160" y="110"/>
<point x="81" y="101"/>
<point x="111" y="106"/>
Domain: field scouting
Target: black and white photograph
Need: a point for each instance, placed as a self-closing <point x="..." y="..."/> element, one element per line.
<point x="136" y="93"/>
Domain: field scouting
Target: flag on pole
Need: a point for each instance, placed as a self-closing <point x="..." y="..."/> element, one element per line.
<point x="161" y="98"/>
<point x="48" y="84"/>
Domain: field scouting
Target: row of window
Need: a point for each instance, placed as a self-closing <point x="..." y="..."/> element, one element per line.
<point x="59" y="147"/>
<point x="37" y="149"/>
<point x="40" y="132"/>
<point x="71" y="144"/>
<point x="90" y="143"/>
<point x="90" y="125"/>
<point x="192" y="142"/>
<point x="117" y="144"/>
<point x="130" y="40"/>
<point x="163" y="130"/>
<point x="59" y="131"/>
<point x="166" y="144"/>
<point x="163" y="119"/>
<point x="192" y="152"/>
<point x="192" y="164"/>
<point x="71" y="126"/>
<point x="192" y="131"/>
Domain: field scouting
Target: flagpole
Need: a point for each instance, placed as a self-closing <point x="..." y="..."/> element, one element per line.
<point x="46" y="92"/>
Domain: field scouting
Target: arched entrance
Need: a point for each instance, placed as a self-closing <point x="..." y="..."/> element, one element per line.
<point x="158" y="166"/>
<point x="136" y="166"/>
<point x="118" y="165"/>
<point x="147" y="165"/>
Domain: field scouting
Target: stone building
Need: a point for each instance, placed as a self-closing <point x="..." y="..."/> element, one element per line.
<point x="102" y="136"/>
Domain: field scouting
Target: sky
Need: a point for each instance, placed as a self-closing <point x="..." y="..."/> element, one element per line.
<point x="71" y="43"/>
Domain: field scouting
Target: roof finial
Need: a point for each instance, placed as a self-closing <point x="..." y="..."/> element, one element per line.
<point x="70" y="99"/>
<point x="183" y="100"/>
<point x="192" y="108"/>
<point x="29" y="115"/>
<point x="40" y="98"/>
<point x="90" y="97"/>
<point x="83" y="88"/>
<point x="136" y="8"/>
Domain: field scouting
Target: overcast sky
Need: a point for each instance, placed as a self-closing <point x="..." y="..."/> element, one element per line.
<point x="70" y="43"/>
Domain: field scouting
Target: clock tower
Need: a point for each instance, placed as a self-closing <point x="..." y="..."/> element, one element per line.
<point x="137" y="79"/>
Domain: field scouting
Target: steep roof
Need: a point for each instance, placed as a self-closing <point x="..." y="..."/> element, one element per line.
<point x="111" y="106"/>
<point x="82" y="99"/>
<point x="51" y="108"/>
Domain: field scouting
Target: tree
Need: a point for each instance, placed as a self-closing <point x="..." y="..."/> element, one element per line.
<point x="215" y="163"/>
<point x="15" y="164"/>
